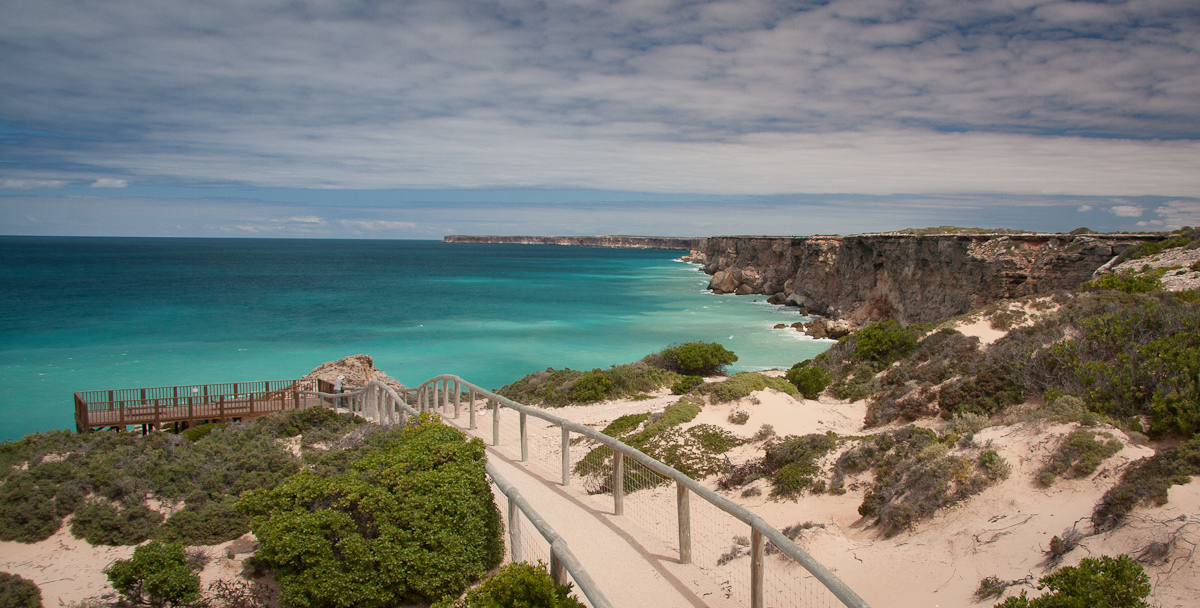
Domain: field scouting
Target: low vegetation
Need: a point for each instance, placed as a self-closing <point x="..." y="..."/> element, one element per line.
<point x="1147" y="481"/>
<point x="1079" y="455"/>
<point x="1106" y="582"/>
<point x="516" y="585"/>
<point x="679" y="367"/>
<point x="106" y="478"/>
<point x="157" y="575"/>
<point x="409" y="521"/>
<point x="19" y="592"/>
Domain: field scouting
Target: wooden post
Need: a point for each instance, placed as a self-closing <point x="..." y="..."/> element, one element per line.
<point x="495" y="421"/>
<point x="756" y="568"/>
<point x="618" y="483"/>
<point x="685" y="523"/>
<point x="221" y="409"/>
<point x="514" y="529"/>
<point x="471" y="411"/>
<point x="524" y="438"/>
<point x="558" y="571"/>
<point x="566" y="457"/>
<point x="457" y="397"/>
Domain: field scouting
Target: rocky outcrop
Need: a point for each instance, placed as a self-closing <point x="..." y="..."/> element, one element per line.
<point x="910" y="278"/>
<point x="358" y="370"/>
<point x="612" y="241"/>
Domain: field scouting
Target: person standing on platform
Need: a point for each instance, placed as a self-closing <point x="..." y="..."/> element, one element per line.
<point x="337" y="389"/>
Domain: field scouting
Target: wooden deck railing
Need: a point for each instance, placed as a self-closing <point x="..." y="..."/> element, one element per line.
<point x="155" y="407"/>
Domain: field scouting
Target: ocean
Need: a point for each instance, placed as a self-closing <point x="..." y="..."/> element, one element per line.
<point x="106" y="313"/>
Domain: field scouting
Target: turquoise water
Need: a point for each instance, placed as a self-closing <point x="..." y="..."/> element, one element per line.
<point x="105" y="313"/>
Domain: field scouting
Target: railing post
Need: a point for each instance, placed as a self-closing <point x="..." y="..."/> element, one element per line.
<point x="524" y="438"/>
<point x="514" y="529"/>
<point x="685" y="523"/>
<point x="558" y="572"/>
<point x="618" y="483"/>
<point x="566" y="456"/>
<point x="756" y="568"/>
<point x="457" y="397"/>
<point x="495" y="421"/>
<point x="445" y="397"/>
<point x="471" y="411"/>
<point x="221" y="409"/>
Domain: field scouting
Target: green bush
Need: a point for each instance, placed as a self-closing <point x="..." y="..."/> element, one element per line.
<point x="590" y="388"/>
<point x="1129" y="282"/>
<point x="18" y="592"/>
<point x="689" y="452"/>
<point x="791" y="463"/>
<point x="211" y="523"/>
<point x="516" y="585"/>
<point x="1148" y="480"/>
<point x="742" y="385"/>
<point x="561" y="387"/>
<point x="32" y="510"/>
<point x="810" y="380"/>
<point x="1095" y="583"/>
<point x="411" y="521"/>
<point x="686" y="384"/>
<point x="200" y="430"/>
<point x="156" y="575"/>
<point x="102" y="523"/>
<point x="1079" y="454"/>
<point x="693" y="358"/>
<point x="884" y="342"/>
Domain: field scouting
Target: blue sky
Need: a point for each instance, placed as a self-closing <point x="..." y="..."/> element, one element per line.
<point x="377" y="119"/>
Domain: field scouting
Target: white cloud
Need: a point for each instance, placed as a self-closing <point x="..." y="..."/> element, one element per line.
<point x="108" y="182"/>
<point x="30" y="184"/>
<point x="1127" y="210"/>
<point x="1179" y="213"/>
<point x="1084" y="208"/>
<point x="306" y="219"/>
<point x="376" y="225"/>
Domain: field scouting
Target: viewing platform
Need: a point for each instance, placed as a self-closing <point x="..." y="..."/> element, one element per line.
<point x="186" y="406"/>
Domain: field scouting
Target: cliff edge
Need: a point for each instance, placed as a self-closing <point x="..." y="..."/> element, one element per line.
<point x="910" y="278"/>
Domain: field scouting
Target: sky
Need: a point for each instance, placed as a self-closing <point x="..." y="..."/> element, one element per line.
<point x="418" y="119"/>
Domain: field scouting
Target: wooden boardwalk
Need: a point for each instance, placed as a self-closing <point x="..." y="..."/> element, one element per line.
<point x="184" y="406"/>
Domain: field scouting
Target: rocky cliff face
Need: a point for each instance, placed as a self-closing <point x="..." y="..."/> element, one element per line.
<point x="613" y="241"/>
<point x="868" y="278"/>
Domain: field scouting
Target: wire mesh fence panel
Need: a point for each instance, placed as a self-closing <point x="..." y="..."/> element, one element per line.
<point x="787" y="583"/>
<point x="721" y="550"/>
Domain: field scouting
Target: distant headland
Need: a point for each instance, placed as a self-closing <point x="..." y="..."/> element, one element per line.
<point x="616" y="241"/>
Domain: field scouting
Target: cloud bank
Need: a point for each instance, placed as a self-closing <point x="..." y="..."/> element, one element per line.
<point x="761" y="97"/>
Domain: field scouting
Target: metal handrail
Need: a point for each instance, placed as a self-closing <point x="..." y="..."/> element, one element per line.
<point x="760" y="529"/>
<point x="562" y="560"/>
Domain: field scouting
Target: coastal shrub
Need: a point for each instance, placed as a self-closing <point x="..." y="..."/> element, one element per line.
<point x="792" y="463"/>
<point x="985" y="394"/>
<point x="200" y="430"/>
<point x="686" y="384"/>
<point x="157" y="575"/>
<point x="689" y="451"/>
<point x="19" y="592"/>
<point x="1185" y="238"/>
<point x="1148" y="481"/>
<point x="738" y="417"/>
<point x="1079" y="454"/>
<point x="1106" y="582"/>
<point x="742" y="385"/>
<point x="31" y="509"/>
<point x="590" y="388"/>
<point x="693" y="358"/>
<point x="1129" y="282"/>
<point x="411" y="521"/>
<point x="557" y="388"/>
<point x="884" y="342"/>
<point x="103" y="523"/>
<point x="209" y="523"/>
<point x="516" y="585"/>
<point x="994" y="466"/>
<point x="810" y="380"/>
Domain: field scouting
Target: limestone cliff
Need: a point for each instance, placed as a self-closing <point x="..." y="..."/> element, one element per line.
<point x="612" y="241"/>
<point x="910" y="278"/>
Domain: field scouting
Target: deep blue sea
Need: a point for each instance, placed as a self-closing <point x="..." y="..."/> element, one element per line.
<point x="107" y="313"/>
